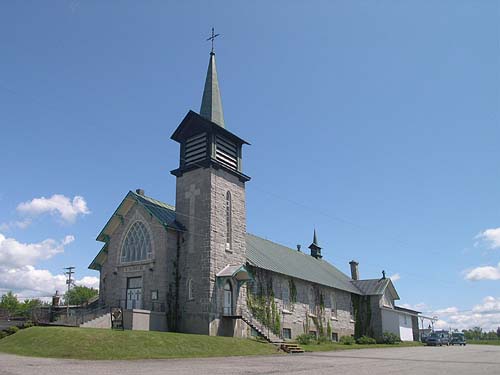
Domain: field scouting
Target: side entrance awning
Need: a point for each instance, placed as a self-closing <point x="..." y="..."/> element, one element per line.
<point x="238" y="272"/>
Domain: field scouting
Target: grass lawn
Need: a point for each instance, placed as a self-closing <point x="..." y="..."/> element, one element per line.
<point x="327" y="346"/>
<point x="484" y="342"/>
<point x="88" y="343"/>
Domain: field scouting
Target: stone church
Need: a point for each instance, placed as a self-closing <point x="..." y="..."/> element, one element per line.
<point x="194" y="268"/>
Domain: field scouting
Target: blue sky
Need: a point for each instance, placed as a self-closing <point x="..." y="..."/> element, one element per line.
<point x="377" y="123"/>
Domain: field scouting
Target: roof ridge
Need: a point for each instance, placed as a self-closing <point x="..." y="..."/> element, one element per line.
<point x="278" y="244"/>
<point x="154" y="201"/>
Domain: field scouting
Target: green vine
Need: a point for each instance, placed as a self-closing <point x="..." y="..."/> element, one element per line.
<point x="264" y="308"/>
<point x="293" y="292"/>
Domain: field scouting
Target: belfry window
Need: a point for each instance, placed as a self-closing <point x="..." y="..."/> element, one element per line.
<point x="229" y="221"/>
<point x="137" y="245"/>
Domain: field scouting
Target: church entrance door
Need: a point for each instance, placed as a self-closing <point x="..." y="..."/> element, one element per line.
<point x="228" y="299"/>
<point x="134" y="293"/>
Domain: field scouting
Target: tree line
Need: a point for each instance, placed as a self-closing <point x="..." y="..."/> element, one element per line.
<point x="477" y="333"/>
<point x="13" y="307"/>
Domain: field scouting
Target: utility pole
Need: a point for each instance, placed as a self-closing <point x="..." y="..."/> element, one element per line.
<point x="69" y="281"/>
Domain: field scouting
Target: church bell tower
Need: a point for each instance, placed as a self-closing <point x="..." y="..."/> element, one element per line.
<point x="210" y="203"/>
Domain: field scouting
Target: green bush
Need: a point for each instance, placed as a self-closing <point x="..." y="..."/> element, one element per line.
<point x="322" y="339"/>
<point x="12" y="330"/>
<point x="347" y="340"/>
<point x="390" y="338"/>
<point x="365" y="340"/>
<point x="3" y="334"/>
<point x="28" y="324"/>
<point x="304" y="339"/>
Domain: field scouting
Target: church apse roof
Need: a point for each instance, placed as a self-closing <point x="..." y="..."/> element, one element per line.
<point x="274" y="257"/>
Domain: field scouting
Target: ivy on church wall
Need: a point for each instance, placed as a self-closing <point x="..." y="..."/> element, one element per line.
<point x="362" y="316"/>
<point x="293" y="292"/>
<point x="262" y="303"/>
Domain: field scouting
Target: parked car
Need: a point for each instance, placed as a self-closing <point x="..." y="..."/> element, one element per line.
<point x="434" y="339"/>
<point x="444" y="336"/>
<point x="458" y="338"/>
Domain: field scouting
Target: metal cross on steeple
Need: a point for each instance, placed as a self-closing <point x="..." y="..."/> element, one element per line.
<point x="212" y="39"/>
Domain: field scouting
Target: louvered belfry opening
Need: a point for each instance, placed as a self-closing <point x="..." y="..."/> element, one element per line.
<point x="226" y="152"/>
<point x="195" y="149"/>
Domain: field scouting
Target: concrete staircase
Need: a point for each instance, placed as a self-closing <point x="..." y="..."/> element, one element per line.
<point x="103" y="321"/>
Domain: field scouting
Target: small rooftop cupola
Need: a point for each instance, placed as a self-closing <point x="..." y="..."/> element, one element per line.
<point x="315" y="248"/>
<point x="211" y="103"/>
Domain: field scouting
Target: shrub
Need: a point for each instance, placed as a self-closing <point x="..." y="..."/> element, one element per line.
<point x="365" y="340"/>
<point x="28" y="324"/>
<point x="347" y="340"/>
<point x="12" y="330"/>
<point x="304" y="339"/>
<point x="322" y="339"/>
<point x="3" y="334"/>
<point x="390" y="338"/>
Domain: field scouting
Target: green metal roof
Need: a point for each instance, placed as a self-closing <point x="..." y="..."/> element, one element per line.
<point x="271" y="256"/>
<point x="165" y="213"/>
<point x="211" y="103"/>
<point x="265" y="254"/>
<point x="373" y="287"/>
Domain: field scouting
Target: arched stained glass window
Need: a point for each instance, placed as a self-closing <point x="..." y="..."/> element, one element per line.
<point x="137" y="244"/>
<point x="229" y="219"/>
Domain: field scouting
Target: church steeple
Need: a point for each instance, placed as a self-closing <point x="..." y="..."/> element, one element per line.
<point x="315" y="248"/>
<point x="211" y="103"/>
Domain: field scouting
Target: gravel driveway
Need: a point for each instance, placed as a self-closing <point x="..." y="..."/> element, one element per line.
<point x="472" y="359"/>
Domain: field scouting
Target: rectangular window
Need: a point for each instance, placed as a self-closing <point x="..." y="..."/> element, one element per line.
<point x="285" y="295"/>
<point x="333" y="305"/>
<point x="351" y="312"/>
<point x="287" y="333"/>
<point x="335" y="336"/>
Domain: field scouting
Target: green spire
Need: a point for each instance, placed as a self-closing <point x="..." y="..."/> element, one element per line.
<point x="315" y="239"/>
<point x="211" y="103"/>
<point x="315" y="248"/>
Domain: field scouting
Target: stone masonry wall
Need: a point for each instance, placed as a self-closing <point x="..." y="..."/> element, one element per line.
<point x="297" y="316"/>
<point x="156" y="272"/>
<point x="201" y="208"/>
<point x="193" y="205"/>
<point x="222" y="183"/>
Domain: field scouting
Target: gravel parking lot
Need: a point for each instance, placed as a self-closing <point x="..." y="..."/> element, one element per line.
<point x="472" y="359"/>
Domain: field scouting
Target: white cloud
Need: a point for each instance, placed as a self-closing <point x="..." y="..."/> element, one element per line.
<point x="18" y="273"/>
<point x="14" y="254"/>
<point x="395" y="277"/>
<point x="23" y="224"/>
<point x="58" y="204"/>
<point x="422" y="306"/>
<point x="490" y="305"/>
<point x="484" y="273"/>
<point x="491" y="237"/>
<point x="448" y="310"/>
<point x="485" y="315"/>
<point x="29" y="282"/>
<point x="89" y="281"/>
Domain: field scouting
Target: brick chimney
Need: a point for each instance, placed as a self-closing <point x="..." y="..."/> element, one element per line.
<point x="354" y="270"/>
